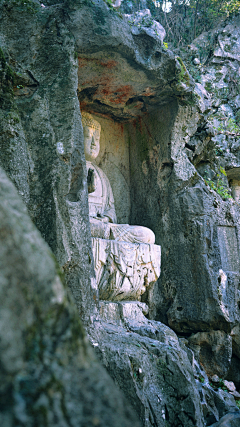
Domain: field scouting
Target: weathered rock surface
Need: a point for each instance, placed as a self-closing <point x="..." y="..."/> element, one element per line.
<point x="234" y="372"/>
<point x="229" y="420"/>
<point x="215" y="401"/>
<point x="41" y="136"/>
<point x="146" y="361"/>
<point x="142" y="22"/>
<point x="198" y="286"/>
<point x="213" y="350"/>
<point x="49" y="52"/>
<point x="153" y="367"/>
<point x="68" y="51"/>
<point x="235" y="334"/>
<point x="196" y="226"/>
<point x="49" y="374"/>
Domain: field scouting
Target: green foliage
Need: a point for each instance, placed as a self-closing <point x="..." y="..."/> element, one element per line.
<point x="232" y="126"/>
<point x="183" y="76"/>
<point x="187" y="19"/>
<point x="146" y="21"/>
<point x="109" y="2"/>
<point x="220" y="385"/>
<point x="229" y="125"/>
<point x="24" y="5"/>
<point x="220" y="186"/>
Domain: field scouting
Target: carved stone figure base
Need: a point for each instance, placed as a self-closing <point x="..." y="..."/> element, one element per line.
<point x="124" y="270"/>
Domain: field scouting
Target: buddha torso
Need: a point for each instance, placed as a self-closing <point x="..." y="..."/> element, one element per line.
<point x="101" y="202"/>
<point x="103" y="219"/>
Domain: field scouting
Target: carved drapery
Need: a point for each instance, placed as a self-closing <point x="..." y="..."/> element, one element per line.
<point x="124" y="270"/>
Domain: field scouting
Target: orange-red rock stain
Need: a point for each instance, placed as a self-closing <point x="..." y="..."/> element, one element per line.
<point x="84" y="62"/>
<point x="121" y="95"/>
<point x="109" y="64"/>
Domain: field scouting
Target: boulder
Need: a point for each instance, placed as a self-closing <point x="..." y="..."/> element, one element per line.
<point x="142" y="22"/>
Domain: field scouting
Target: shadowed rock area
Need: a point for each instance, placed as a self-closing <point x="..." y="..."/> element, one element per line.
<point x="49" y="374"/>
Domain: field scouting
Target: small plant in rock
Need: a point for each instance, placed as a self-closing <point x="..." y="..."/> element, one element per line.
<point x="183" y="76"/>
<point x="232" y="126"/>
<point x="147" y="22"/>
<point x="219" y="151"/>
<point x="109" y="2"/>
<point x="222" y="385"/>
<point x="113" y="8"/>
<point x="237" y="115"/>
<point x="229" y="125"/>
<point x="220" y="186"/>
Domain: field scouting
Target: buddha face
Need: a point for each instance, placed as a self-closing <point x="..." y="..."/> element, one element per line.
<point x="91" y="142"/>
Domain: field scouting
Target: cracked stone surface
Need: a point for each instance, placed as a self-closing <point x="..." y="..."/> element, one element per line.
<point x="49" y="373"/>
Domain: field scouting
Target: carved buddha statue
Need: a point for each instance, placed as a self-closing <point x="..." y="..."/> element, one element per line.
<point x="103" y="219"/>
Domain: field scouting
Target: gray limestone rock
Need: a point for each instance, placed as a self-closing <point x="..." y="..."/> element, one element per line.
<point x="197" y="229"/>
<point x="215" y="401"/>
<point x="41" y="136"/>
<point x="229" y="420"/>
<point x="69" y="51"/>
<point x="234" y="372"/>
<point x="142" y="22"/>
<point x="235" y="334"/>
<point x="56" y="54"/>
<point x="213" y="350"/>
<point x="49" y="374"/>
<point x="146" y="361"/>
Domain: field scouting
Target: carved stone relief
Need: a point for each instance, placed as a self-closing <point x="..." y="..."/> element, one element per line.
<point x="124" y="270"/>
<point x="126" y="258"/>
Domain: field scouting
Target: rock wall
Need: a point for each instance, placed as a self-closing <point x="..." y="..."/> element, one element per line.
<point x="42" y="139"/>
<point x="49" y="374"/>
<point x="198" y="231"/>
<point x="163" y="146"/>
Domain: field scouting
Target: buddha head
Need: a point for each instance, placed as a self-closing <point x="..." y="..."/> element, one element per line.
<point x="91" y="131"/>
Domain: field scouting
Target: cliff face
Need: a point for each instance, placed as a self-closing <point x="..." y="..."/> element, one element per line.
<point x="49" y="374"/>
<point x="171" y="145"/>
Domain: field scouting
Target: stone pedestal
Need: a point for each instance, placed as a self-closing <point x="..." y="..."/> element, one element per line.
<point x="124" y="270"/>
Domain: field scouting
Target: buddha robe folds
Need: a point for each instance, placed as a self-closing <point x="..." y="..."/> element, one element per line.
<point x="103" y="219"/>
